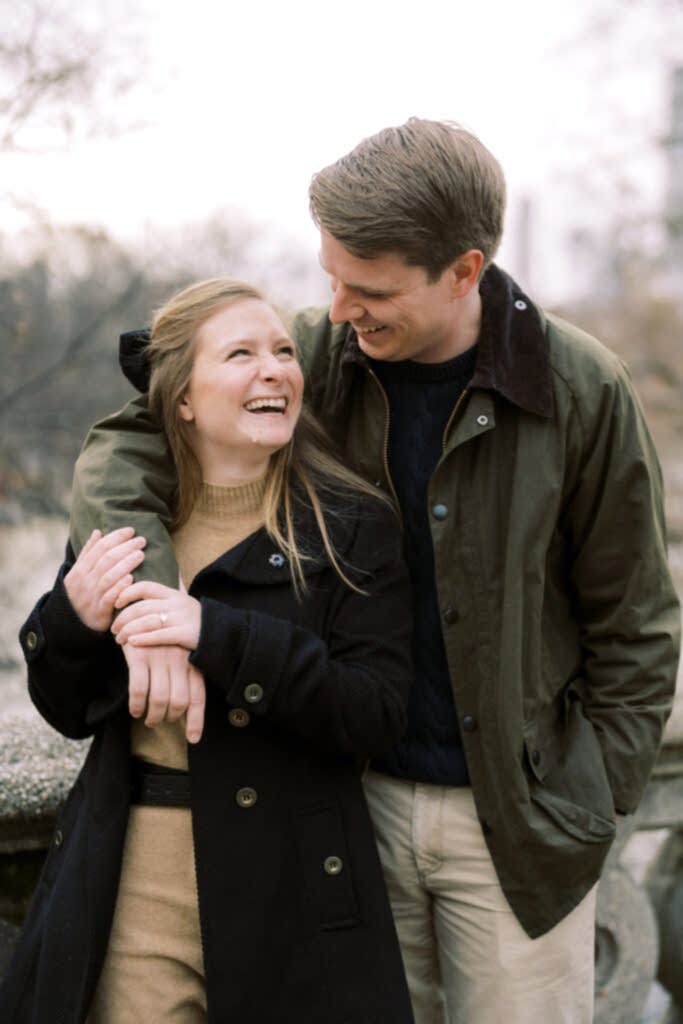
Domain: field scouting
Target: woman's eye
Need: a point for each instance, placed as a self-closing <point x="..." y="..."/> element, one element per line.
<point x="238" y="352"/>
<point x="286" y="350"/>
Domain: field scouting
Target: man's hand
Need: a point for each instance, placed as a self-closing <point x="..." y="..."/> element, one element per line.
<point x="101" y="573"/>
<point x="164" y="685"/>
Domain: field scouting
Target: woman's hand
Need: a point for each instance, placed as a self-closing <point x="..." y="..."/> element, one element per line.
<point x="101" y="573"/>
<point x="163" y="686"/>
<point x="160" y="616"/>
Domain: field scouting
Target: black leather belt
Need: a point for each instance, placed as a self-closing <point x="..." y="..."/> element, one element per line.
<point x="158" y="786"/>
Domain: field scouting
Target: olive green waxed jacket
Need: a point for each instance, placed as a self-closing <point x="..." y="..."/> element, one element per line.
<point x="560" y="620"/>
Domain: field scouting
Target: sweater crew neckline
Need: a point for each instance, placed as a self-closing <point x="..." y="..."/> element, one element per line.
<point x="218" y="500"/>
<point x="408" y="369"/>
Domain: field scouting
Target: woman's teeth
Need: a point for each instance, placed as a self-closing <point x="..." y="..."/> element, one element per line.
<point x="266" y="405"/>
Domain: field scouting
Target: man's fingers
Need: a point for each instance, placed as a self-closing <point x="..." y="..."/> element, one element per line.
<point x="138" y="687"/>
<point x="179" y="696"/>
<point x="194" y="725"/>
<point x="159" y="693"/>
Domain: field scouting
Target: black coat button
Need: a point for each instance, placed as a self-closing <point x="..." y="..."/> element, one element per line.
<point x="469" y="723"/>
<point x="440" y="511"/>
<point x="333" y="865"/>
<point x="238" y="717"/>
<point x="253" y="693"/>
<point x="450" y="614"/>
<point x="535" y="757"/>
<point x="31" y="641"/>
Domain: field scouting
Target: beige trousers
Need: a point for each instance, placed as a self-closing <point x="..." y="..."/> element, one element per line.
<point x="153" y="972"/>
<point x="467" y="959"/>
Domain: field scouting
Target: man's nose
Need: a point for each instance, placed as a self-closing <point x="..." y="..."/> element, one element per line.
<point x="344" y="305"/>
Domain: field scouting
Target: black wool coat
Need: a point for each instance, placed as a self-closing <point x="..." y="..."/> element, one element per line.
<point x="285" y="938"/>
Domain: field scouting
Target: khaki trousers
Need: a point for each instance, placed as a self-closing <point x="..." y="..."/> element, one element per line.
<point x="467" y="959"/>
<point x="154" y="972"/>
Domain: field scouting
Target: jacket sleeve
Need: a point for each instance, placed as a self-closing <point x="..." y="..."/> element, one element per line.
<point x="76" y="676"/>
<point x="347" y="693"/>
<point x="626" y="602"/>
<point x="124" y="476"/>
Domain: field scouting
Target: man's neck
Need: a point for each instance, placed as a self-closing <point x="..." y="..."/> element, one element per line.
<point x="468" y="323"/>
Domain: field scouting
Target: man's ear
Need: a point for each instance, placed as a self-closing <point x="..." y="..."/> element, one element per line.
<point x="185" y="409"/>
<point x="465" y="272"/>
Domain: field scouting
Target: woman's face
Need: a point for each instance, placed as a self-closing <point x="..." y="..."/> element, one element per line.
<point x="245" y="390"/>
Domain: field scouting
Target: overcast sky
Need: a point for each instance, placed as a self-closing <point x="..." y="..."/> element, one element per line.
<point x="241" y="102"/>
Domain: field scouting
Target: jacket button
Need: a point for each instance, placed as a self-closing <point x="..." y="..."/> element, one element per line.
<point x="439" y="511"/>
<point x="535" y="757"/>
<point x="276" y="560"/>
<point x="246" y="796"/>
<point x="469" y="723"/>
<point x="238" y="717"/>
<point x="31" y="641"/>
<point x="333" y="865"/>
<point x="482" y="420"/>
<point x="451" y="614"/>
<point x="59" y="837"/>
<point x="520" y="304"/>
<point x="253" y="693"/>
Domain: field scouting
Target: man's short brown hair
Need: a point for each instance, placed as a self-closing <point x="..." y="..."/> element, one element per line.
<point x="426" y="190"/>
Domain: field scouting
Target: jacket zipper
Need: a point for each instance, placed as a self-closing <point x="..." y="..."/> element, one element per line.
<point x="451" y="418"/>
<point x="385" y="451"/>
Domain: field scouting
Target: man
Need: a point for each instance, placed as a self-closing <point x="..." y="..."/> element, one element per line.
<point x="546" y="636"/>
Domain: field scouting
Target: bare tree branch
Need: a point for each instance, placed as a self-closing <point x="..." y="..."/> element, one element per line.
<point x="77" y="343"/>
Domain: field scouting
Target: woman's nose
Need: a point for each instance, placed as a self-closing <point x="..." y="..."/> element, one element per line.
<point x="271" y="367"/>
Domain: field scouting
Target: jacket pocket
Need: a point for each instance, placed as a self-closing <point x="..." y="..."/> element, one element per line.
<point x="328" y="883"/>
<point x="568" y="780"/>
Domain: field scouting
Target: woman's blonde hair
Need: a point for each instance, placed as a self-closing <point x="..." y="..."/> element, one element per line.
<point x="305" y="465"/>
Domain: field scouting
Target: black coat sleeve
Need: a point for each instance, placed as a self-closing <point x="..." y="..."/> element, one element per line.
<point x="345" y="693"/>
<point x="76" y="676"/>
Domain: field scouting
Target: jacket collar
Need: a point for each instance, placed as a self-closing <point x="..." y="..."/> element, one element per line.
<point x="258" y="560"/>
<point x="513" y="356"/>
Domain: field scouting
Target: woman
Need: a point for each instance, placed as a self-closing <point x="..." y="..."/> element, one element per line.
<point x="233" y="877"/>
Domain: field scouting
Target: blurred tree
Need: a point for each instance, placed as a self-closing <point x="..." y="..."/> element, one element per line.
<point x="613" y="162"/>
<point x="63" y="71"/>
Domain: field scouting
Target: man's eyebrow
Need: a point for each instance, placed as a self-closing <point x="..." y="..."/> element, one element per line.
<point x="377" y="292"/>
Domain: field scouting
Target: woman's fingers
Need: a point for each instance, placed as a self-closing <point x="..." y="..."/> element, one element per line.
<point x="143" y="591"/>
<point x="172" y="619"/>
<point x="118" y="562"/>
<point x="147" y="620"/>
<point x="173" y="636"/>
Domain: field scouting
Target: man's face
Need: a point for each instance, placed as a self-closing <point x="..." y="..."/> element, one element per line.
<point x="395" y="310"/>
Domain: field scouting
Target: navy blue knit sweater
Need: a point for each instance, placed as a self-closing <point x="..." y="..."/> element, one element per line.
<point x="421" y="400"/>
